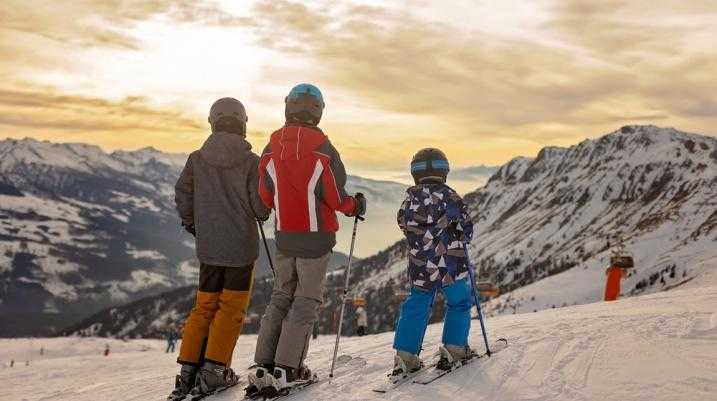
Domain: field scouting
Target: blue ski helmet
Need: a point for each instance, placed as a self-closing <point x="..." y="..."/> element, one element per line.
<point x="304" y="104"/>
<point x="429" y="164"/>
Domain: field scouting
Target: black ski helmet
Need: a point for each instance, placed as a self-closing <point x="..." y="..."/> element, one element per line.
<point x="429" y="164"/>
<point x="304" y="104"/>
<point x="228" y="114"/>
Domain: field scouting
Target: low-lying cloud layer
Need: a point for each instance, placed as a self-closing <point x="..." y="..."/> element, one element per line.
<point x="78" y="118"/>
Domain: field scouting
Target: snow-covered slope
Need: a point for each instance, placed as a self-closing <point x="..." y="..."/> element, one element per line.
<point x="82" y="229"/>
<point x="542" y="225"/>
<point x="657" y="347"/>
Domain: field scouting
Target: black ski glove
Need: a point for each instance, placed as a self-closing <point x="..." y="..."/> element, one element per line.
<point x="360" y="209"/>
<point x="190" y="229"/>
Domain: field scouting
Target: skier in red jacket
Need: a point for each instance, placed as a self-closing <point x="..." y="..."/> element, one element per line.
<point x="302" y="178"/>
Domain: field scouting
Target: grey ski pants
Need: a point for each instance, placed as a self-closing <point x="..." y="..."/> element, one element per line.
<point x="289" y="319"/>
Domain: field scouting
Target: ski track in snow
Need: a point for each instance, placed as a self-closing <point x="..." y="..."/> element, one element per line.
<point x="654" y="347"/>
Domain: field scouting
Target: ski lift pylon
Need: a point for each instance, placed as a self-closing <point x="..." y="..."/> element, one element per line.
<point x="619" y="257"/>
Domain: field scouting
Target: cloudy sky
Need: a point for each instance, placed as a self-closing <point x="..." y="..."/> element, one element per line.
<point x="484" y="80"/>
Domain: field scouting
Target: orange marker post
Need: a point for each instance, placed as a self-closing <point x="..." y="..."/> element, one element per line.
<point x="612" y="287"/>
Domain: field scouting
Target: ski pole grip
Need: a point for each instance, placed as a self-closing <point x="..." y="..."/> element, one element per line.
<point x="359" y="195"/>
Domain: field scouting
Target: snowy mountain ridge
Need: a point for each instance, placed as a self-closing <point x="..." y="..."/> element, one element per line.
<point x="542" y="226"/>
<point x="82" y="230"/>
<point x="653" y="186"/>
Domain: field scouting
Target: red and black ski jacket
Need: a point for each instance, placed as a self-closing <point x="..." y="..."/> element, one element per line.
<point x="302" y="178"/>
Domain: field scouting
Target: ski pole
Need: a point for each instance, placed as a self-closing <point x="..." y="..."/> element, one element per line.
<point x="266" y="247"/>
<point x="345" y="291"/>
<point x="471" y="274"/>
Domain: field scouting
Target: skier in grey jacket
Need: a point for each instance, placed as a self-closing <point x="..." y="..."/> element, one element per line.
<point x="218" y="203"/>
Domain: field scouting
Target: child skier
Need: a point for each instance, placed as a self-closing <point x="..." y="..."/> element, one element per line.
<point x="302" y="178"/>
<point x="437" y="227"/>
<point x="217" y="199"/>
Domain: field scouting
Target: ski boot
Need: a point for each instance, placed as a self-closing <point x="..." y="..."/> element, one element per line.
<point x="283" y="379"/>
<point x="405" y="363"/>
<point x="212" y="377"/>
<point x="257" y="380"/>
<point x="452" y="355"/>
<point x="184" y="383"/>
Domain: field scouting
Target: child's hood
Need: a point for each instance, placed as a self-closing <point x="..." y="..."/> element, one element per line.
<point x="294" y="142"/>
<point x="226" y="150"/>
<point x="425" y="190"/>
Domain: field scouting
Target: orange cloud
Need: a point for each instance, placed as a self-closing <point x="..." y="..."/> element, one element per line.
<point x="130" y="122"/>
<point x="402" y="80"/>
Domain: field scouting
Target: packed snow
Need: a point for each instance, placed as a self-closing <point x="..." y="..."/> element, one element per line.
<point x="661" y="346"/>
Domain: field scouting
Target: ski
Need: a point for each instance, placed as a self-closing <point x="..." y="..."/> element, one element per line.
<point x="435" y="373"/>
<point x="398" y="381"/>
<point x="394" y="383"/>
<point x="344" y="361"/>
<point x="197" y="397"/>
<point x="286" y="392"/>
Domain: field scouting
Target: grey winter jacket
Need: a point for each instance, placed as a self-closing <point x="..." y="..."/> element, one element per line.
<point x="217" y="193"/>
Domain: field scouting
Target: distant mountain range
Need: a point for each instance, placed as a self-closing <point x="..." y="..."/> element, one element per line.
<point x="473" y="172"/>
<point x="543" y="231"/>
<point x="82" y="230"/>
<point x="544" y="228"/>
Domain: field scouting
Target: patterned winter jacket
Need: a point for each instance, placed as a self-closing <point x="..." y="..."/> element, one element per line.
<point x="437" y="227"/>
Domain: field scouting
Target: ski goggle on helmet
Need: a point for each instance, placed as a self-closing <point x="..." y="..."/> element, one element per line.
<point x="429" y="164"/>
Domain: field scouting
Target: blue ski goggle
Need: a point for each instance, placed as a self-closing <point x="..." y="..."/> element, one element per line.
<point x="441" y="165"/>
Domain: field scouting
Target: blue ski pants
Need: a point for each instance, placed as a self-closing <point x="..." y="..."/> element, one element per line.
<point x="416" y="311"/>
